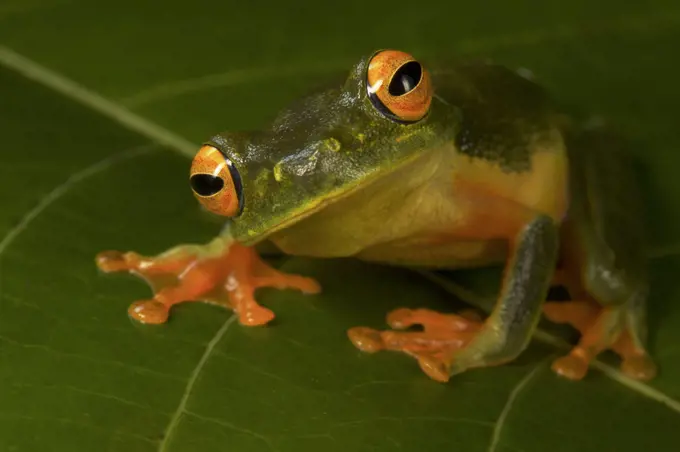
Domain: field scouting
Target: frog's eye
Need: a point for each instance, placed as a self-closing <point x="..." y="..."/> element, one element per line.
<point x="399" y="86"/>
<point x="216" y="183"/>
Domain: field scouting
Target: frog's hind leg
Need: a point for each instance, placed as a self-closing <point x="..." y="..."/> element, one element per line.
<point x="603" y="256"/>
<point x="618" y="324"/>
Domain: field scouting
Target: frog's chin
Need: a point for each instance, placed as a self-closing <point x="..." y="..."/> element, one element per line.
<point x="250" y="237"/>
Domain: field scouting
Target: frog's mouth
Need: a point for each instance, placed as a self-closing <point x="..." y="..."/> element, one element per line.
<point x="249" y="229"/>
<point x="222" y="192"/>
<point x="242" y="231"/>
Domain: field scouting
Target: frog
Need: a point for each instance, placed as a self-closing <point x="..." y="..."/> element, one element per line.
<point x="428" y="167"/>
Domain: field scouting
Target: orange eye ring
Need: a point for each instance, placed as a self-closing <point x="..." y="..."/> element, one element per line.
<point x="399" y="86"/>
<point x="216" y="183"/>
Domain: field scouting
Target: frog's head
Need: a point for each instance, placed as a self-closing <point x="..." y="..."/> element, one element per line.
<point x="323" y="148"/>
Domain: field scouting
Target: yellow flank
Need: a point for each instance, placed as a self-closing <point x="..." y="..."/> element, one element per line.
<point x="543" y="188"/>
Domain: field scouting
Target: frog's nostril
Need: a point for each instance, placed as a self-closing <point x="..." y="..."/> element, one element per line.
<point x="206" y="184"/>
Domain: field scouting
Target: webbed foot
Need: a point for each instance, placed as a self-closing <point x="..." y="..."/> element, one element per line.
<point x="601" y="328"/>
<point x="222" y="272"/>
<point x="442" y="336"/>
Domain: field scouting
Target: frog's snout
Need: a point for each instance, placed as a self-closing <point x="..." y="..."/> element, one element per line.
<point x="216" y="182"/>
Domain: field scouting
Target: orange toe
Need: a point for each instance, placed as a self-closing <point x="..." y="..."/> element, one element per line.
<point x="434" y="368"/>
<point x="441" y="337"/>
<point x="571" y="367"/>
<point x="601" y="328"/>
<point x="149" y="311"/>
<point x="640" y="367"/>
<point x="191" y="273"/>
<point x="256" y="316"/>
<point x="366" y="339"/>
<point x="112" y="261"/>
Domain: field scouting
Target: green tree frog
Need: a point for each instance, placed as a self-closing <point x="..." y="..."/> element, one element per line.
<point x="429" y="168"/>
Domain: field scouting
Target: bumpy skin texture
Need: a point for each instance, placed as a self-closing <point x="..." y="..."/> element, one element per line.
<point x="483" y="178"/>
<point x="322" y="146"/>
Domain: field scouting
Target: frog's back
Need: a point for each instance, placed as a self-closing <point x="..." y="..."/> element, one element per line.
<point x="510" y="138"/>
<point x="503" y="113"/>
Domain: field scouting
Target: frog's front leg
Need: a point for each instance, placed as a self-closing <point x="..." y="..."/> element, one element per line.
<point x="443" y="351"/>
<point x="221" y="272"/>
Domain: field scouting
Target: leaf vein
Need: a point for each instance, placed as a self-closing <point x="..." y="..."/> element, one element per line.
<point x="634" y="385"/>
<point x="97" y="394"/>
<point x="63" y="188"/>
<point x="557" y="342"/>
<point x="235" y="77"/>
<point x="117" y="433"/>
<point x="451" y="420"/>
<point x="88" y="327"/>
<point x="133" y="368"/>
<point x="233" y="427"/>
<point x="93" y="100"/>
<point x="181" y="407"/>
<point x="509" y="404"/>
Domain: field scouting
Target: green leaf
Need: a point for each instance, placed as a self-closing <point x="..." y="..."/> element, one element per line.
<point x="79" y="174"/>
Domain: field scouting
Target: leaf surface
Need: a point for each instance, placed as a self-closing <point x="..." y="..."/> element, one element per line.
<point x="77" y="374"/>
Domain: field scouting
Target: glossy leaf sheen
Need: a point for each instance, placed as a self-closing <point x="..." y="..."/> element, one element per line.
<point x="77" y="374"/>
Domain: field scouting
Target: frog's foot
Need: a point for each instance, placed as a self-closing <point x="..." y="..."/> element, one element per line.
<point x="601" y="328"/>
<point x="442" y="335"/>
<point x="191" y="273"/>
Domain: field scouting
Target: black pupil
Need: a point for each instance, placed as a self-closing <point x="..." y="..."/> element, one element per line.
<point x="206" y="184"/>
<point x="405" y="79"/>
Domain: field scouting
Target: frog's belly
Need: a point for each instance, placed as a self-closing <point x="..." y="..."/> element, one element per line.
<point x="419" y="250"/>
<point x="450" y="254"/>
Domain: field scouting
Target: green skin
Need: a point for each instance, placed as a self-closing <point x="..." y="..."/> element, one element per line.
<point x="334" y="159"/>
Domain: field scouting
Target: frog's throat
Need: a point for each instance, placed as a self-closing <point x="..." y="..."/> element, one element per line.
<point x="249" y="237"/>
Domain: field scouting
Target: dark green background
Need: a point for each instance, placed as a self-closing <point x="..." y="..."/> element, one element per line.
<point x="77" y="374"/>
